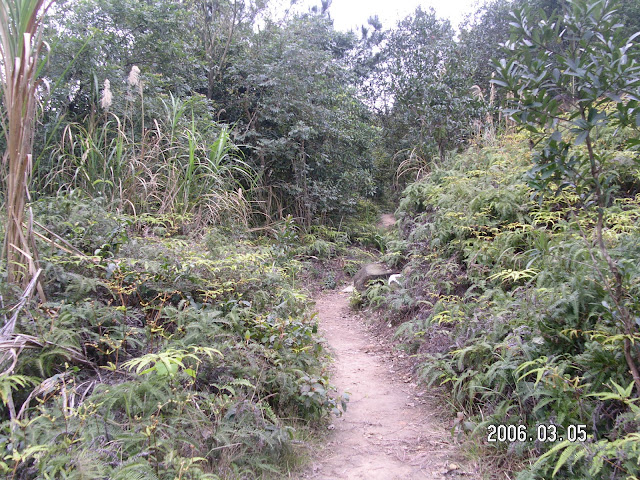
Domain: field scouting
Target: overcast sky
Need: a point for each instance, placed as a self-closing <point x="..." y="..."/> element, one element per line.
<point x="348" y="14"/>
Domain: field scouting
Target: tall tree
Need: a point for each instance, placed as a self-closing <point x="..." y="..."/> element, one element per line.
<point x="224" y="25"/>
<point x="309" y="134"/>
<point x="425" y="89"/>
<point x="93" y="40"/>
<point x="481" y="36"/>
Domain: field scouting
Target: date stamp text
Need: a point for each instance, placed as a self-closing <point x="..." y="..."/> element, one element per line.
<point x="541" y="433"/>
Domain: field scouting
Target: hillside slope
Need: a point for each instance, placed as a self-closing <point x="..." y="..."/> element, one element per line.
<point x="507" y="302"/>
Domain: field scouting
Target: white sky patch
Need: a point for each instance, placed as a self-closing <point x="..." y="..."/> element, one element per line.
<point x="351" y="14"/>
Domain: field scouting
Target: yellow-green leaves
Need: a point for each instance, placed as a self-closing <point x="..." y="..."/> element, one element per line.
<point x="169" y="362"/>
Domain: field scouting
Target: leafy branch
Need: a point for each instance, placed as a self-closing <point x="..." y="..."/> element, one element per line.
<point x="565" y="76"/>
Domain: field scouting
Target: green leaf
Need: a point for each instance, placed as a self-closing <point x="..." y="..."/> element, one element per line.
<point x="581" y="138"/>
<point x="554" y="451"/>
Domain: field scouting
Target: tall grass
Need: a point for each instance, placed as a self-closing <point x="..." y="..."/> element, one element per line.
<point x="176" y="167"/>
<point x="20" y="46"/>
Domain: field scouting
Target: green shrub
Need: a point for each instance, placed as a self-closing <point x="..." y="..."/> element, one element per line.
<point x="503" y="302"/>
<point x="166" y="358"/>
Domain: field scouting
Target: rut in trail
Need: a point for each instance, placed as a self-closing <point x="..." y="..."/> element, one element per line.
<point x="389" y="431"/>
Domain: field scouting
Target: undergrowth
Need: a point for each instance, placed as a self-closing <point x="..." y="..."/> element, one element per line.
<point x="157" y="355"/>
<point x="501" y="302"/>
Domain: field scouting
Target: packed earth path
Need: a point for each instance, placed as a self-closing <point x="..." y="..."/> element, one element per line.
<point x="392" y="429"/>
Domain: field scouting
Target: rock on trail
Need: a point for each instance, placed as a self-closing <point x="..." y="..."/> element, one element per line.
<point x="389" y="431"/>
<point x="371" y="271"/>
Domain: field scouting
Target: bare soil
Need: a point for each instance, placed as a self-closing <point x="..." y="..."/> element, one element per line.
<point x="387" y="220"/>
<point x="392" y="430"/>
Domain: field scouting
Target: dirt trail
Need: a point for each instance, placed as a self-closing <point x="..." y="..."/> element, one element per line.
<point x="390" y="430"/>
<point x="387" y="220"/>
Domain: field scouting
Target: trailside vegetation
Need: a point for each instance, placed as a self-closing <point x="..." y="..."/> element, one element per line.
<point x="176" y="175"/>
<point x="521" y="258"/>
<point x="502" y="304"/>
<point x="157" y="356"/>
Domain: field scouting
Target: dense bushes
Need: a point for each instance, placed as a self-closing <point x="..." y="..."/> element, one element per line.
<point x="143" y="92"/>
<point x="522" y="278"/>
<point x="158" y="356"/>
<point x="503" y="302"/>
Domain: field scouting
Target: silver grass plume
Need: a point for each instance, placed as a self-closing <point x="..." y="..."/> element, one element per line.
<point x="134" y="76"/>
<point x="107" y="96"/>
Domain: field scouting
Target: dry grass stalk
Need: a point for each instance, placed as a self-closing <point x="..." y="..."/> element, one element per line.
<point x="10" y="351"/>
<point x="20" y="45"/>
<point x="413" y="164"/>
<point x="15" y="343"/>
<point x="9" y="326"/>
<point x="12" y="344"/>
<point x="71" y="397"/>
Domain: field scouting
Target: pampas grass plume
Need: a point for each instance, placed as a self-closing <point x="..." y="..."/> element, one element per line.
<point x="107" y="96"/>
<point x="134" y="76"/>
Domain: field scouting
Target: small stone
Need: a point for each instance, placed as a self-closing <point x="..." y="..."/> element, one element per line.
<point x="452" y="467"/>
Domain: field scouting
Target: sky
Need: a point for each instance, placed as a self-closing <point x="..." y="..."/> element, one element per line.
<point x="350" y="14"/>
